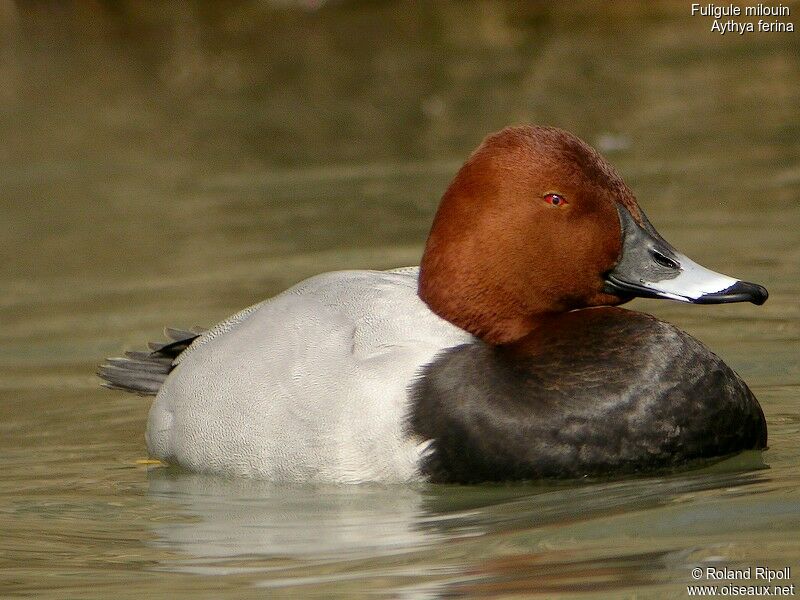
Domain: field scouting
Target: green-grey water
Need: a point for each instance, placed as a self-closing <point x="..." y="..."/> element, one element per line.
<point x="169" y="164"/>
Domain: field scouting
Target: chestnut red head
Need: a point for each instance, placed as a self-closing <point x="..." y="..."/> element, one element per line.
<point x="538" y="222"/>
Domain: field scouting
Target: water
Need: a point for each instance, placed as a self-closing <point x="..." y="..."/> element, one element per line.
<point x="170" y="166"/>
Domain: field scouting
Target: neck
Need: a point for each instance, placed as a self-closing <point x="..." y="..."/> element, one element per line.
<point x="496" y="315"/>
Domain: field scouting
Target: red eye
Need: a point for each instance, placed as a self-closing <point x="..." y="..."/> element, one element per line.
<point x="555" y="199"/>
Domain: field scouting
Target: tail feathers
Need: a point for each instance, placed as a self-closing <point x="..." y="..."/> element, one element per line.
<point x="143" y="373"/>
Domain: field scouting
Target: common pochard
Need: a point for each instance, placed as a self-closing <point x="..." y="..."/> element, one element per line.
<point x="500" y="357"/>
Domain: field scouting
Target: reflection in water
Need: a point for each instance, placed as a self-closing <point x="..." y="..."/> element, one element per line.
<point x="313" y="535"/>
<point x="232" y="518"/>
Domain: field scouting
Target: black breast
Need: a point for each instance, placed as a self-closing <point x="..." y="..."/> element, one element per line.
<point x="597" y="391"/>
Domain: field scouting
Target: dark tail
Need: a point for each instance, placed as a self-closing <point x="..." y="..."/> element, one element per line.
<point x="143" y="373"/>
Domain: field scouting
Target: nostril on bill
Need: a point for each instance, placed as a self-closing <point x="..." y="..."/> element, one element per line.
<point x="665" y="261"/>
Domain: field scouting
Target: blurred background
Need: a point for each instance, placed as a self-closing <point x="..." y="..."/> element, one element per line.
<point x="168" y="163"/>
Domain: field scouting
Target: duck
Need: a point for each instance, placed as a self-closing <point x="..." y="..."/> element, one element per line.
<point x="503" y="356"/>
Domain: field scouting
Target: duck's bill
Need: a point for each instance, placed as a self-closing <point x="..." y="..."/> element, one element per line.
<point x="649" y="267"/>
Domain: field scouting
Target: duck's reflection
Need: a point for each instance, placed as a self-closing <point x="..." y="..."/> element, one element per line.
<point x="433" y="540"/>
<point x="245" y="517"/>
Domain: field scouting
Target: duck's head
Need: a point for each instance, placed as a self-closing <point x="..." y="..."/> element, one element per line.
<point x="537" y="222"/>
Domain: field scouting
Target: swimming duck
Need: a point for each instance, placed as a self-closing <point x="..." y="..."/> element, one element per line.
<point x="502" y="356"/>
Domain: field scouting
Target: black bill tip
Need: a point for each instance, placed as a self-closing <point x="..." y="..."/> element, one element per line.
<point x="741" y="291"/>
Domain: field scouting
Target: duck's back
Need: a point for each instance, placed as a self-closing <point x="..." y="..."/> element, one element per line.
<point x="594" y="391"/>
<point x="309" y="385"/>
